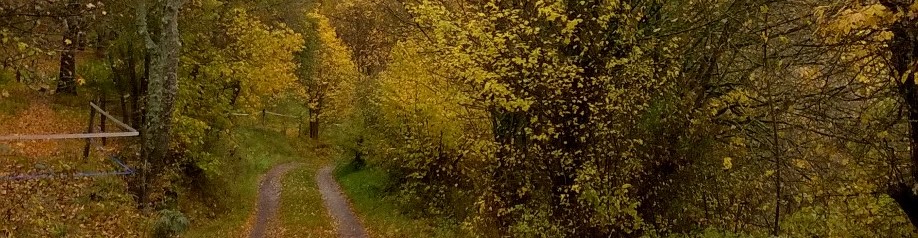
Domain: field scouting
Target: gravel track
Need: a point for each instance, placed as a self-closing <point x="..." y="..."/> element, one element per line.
<point x="269" y="198"/>
<point x="348" y="225"/>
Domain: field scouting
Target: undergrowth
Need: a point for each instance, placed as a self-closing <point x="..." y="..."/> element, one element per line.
<point x="370" y="189"/>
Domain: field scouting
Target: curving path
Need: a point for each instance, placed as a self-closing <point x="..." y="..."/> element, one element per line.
<point x="348" y="224"/>
<point x="268" y="199"/>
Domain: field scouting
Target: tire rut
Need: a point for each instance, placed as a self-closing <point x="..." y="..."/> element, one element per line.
<point x="347" y="223"/>
<point x="269" y="198"/>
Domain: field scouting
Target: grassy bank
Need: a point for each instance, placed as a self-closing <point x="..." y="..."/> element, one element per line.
<point x="380" y="211"/>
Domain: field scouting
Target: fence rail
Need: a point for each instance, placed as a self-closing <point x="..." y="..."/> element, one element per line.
<point x="264" y="112"/>
<point x="125" y="170"/>
<point x="130" y="131"/>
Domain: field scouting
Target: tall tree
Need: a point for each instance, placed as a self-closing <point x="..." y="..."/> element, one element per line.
<point x="71" y="23"/>
<point x="329" y="84"/>
<point x="903" y="68"/>
<point x="162" y="86"/>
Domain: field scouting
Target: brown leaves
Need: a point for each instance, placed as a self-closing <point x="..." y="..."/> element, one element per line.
<point x="39" y="118"/>
<point x="61" y="205"/>
<point x="74" y="207"/>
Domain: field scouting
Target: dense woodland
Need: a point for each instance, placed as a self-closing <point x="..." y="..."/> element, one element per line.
<point x="502" y="118"/>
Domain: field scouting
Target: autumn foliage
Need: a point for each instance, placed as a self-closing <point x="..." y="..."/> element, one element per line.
<point x="493" y="118"/>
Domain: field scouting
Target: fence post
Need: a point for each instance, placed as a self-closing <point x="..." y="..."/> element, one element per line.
<point x="92" y="117"/>
<point x="102" y="118"/>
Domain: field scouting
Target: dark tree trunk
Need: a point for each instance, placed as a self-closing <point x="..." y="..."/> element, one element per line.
<point x="315" y="113"/>
<point x="136" y="83"/>
<point x="125" y="113"/>
<point x="509" y="134"/>
<point x="92" y="118"/>
<point x="904" y="62"/>
<point x="102" y="102"/>
<point x="121" y="86"/>
<point x="313" y="128"/>
<point x="907" y="200"/>
<point x="67" y="77"/>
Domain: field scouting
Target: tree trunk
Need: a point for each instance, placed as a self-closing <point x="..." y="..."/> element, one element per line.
<point x="136" y="89"/>
<point x="315" y="112"/>
<point x="162" y="89"/>
<point x="121" y="85"/>
<point x="904" y="62"/>
<point x="67" y="77"/>
<point x="510" y="136"/>
<point x="313" y="128"/>
<point x="102" y="118"/>
<point x="92" y="118"/>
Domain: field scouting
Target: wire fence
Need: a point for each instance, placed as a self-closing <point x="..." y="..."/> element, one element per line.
<point x="264" y="114"/>
<point x="123" y="168"/>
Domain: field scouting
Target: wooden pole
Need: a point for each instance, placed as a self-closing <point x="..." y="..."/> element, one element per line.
<point x="299" y="126"/>
<point x="102" y="119"/>
<point x="92" y="117"/>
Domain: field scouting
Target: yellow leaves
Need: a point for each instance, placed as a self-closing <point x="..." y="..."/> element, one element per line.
<point x="807" y="72"/>
<point x="876" y="14"/>
<point x="22" y="46"/>
<point x="883" y="135"/>
<point x="884" y="36"/>
<point x="260" y="58"/>
<point x="739" y="96"/>
<point x="571" y="25"/>
<point x="728" y="163"/>
<point x="68" y="42"/>
<point x="333" y="81"/>
<point x="413" y="86"/>
<point x="905" y="76"/>
<point x="871" y="17"/>
<point x="190" y="133"/>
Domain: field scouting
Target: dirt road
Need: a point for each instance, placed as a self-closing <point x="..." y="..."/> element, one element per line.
<point x="268" y="199"/>
<point x="348" y="225"/>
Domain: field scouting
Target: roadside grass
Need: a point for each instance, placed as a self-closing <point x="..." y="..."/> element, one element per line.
<point x="301" y="212"/>
<point x="379" y="211"/>
<point x="224" y="205"/>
